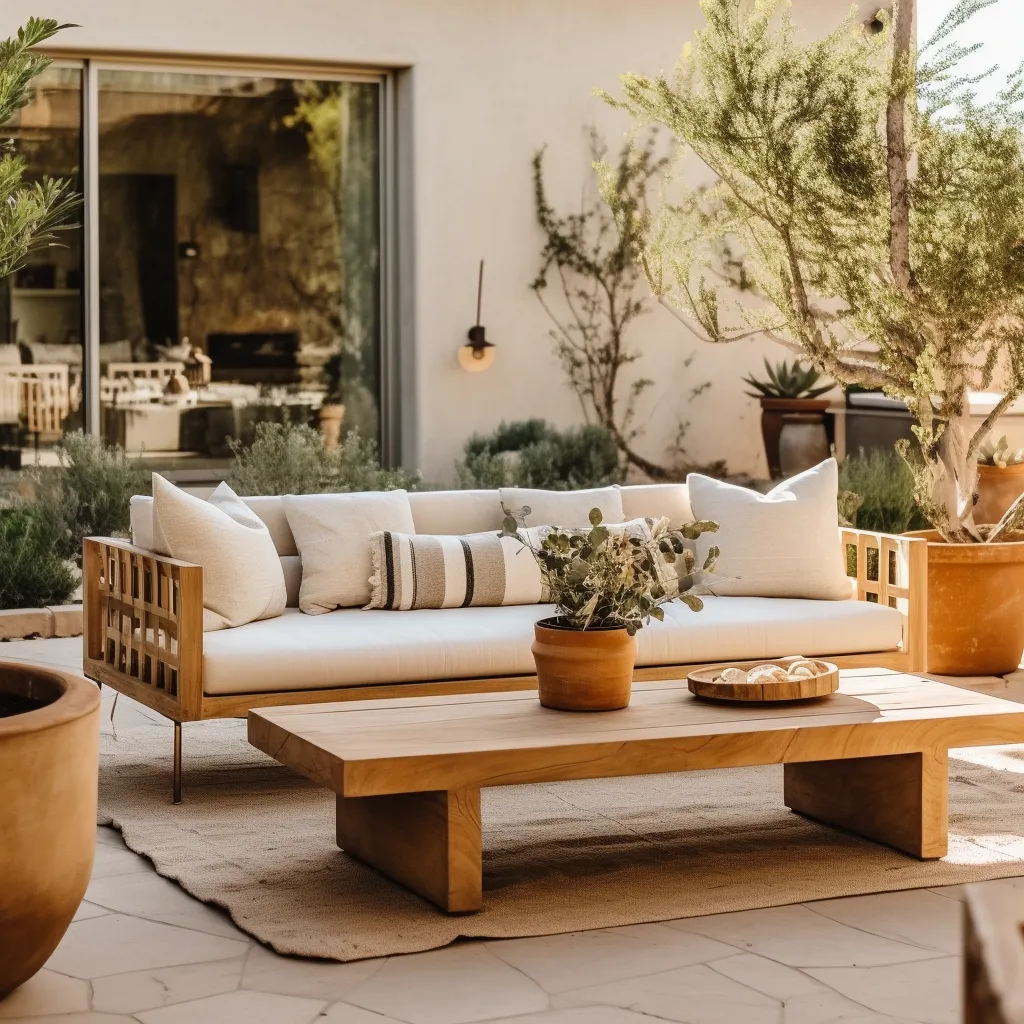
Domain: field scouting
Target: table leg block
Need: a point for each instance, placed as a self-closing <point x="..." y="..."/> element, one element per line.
<point x="898" y="799"/>
<point x="429" y="842"/>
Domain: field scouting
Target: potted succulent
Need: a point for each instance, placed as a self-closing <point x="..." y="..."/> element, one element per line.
<point x="880" y="220"/>
<point x="1000" y="480"/>
<point x="791" y="390"/>
<point x="332" y="410"/>
<point x="605" y="583"/>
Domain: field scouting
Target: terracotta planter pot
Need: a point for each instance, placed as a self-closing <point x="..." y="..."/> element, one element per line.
<point x="772" y="412"/>
<point x="975" y="606"/>
<point x="329" y="418"/>
<point x="998" y="489"/>
<point x="583" y="670"/>
<point x="803" y="442"/>
<point x="48" y="776"/>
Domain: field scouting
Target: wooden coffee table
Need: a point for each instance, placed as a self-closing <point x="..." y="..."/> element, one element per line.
<point x="871" y="758"/>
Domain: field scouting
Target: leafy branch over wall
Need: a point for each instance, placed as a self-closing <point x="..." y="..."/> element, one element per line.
<point x="593" y="261"/>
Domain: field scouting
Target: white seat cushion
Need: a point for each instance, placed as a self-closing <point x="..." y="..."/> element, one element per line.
<point x="352" y="647"/>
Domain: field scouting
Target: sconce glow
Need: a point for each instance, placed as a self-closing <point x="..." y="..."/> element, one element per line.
<point x="478" y="355"/>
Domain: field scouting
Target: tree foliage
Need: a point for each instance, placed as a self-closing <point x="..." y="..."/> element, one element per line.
<point x="31" y="212"/>
<point x="878" y="208"/>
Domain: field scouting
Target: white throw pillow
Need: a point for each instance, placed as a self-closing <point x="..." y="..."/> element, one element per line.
<point x="242" y="575"/>
<point x="568" y="509"/>
<point x="332" y="534"/>
<point x="781" y="544"/>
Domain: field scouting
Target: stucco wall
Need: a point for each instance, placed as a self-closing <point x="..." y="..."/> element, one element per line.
<point x="490" y="82"/>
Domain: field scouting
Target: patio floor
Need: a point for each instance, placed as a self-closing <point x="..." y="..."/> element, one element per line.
<point x="141" y="949"/>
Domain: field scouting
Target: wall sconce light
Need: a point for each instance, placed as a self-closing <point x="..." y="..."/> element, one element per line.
<point x="478" y="355"/>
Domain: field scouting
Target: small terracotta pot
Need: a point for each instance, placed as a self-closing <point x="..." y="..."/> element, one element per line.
<point x="772" y="412"/>
<point x="583" y="670"/>
<point x="975" y="606"/>
<point x="998" y="489"/>
<point x="48" y="777"/>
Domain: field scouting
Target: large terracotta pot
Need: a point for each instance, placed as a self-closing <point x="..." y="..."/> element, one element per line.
<point x="998" y="489"/>
<point x="772" y="412"/>
<point x="975" y="606"/>
<point x="583" y="670"/>
<point x="48" y="775"/>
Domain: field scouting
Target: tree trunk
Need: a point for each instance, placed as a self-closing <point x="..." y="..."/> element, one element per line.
<point x="901" y="86"/>
<point x="955" y="479"/>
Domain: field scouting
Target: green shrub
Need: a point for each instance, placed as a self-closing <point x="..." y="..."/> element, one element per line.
<point x="531" y="453"/>
<point x="884" y="484"/>
<point x="32" y="571"/>
<point x="88" y="494"/>
<point x="286" y="458"/>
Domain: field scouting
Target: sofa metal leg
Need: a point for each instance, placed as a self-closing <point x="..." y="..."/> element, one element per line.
<point x="176" y="785"/>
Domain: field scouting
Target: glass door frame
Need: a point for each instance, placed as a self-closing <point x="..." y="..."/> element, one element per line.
<point x="389" y="396"/>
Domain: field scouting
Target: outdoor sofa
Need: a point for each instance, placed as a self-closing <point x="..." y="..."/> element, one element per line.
<point x="144" y="636"/>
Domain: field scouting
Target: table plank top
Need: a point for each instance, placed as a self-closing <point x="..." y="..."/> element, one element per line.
<point x="416" y="744"/>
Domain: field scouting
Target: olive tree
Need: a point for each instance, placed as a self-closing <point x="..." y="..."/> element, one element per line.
<point x="878" y="207"/>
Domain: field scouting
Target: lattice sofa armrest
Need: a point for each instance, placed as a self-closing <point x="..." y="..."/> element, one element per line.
<point x="143" y="631"/>
<point x="892" y="570"/>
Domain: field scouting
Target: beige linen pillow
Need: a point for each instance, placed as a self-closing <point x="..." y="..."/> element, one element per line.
<point x="781" y="544"/>
<point x="443" y="571"/>
<point x="242" y="575"/>
<point x="567" y="509"/>
<point x="332" y="533"/>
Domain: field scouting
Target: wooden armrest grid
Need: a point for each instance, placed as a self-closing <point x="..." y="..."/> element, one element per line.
<point x="893" y="571"/>
<point x="137" y="603"/>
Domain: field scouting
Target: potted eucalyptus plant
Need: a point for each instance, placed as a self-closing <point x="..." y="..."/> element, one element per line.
<point x="606" y="582"/>
<point x="879" y="208"/>
<point x="791" y="394"/>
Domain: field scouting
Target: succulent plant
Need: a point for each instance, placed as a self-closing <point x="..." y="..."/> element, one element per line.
<point x="999" y="454"/>
<point x="610" y="577"/>
<point x="788" y="381"/>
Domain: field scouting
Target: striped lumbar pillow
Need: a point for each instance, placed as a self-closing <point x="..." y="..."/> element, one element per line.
<point x="476" y="570"/>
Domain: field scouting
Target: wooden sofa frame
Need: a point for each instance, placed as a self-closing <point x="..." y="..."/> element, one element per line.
<point x="143" y="632"/>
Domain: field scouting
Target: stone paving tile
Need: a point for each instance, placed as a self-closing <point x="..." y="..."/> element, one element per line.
<point x="116" y="944"/>
<point x="918" y="916"/>
<point x="344" y="1013"/>
<point x="86" y="910"/>
<point x="691" y="995"/>
<point x="46" y="994"/>
<point x="75" y="1018"/>
<point x="560" y="962"/>
<point x="238" y="1008"/>
<point x="163" y="986"/>
<point x="579" y="1015"/>
<point x="928" y="991"/>
<point x="146" y="894"/>
<point x="801" y="938"/>
<point x="265" y="971"/>
<point x="460" y="984"/>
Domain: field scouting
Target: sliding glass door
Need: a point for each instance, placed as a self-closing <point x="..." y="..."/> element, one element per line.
<point x="235" y="219"/>
<point x="41" y="352"/>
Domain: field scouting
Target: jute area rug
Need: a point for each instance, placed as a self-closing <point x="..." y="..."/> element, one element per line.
<point x="255" y="838"/>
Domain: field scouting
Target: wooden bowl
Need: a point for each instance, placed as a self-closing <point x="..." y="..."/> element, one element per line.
<point x="703" y="683"/>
